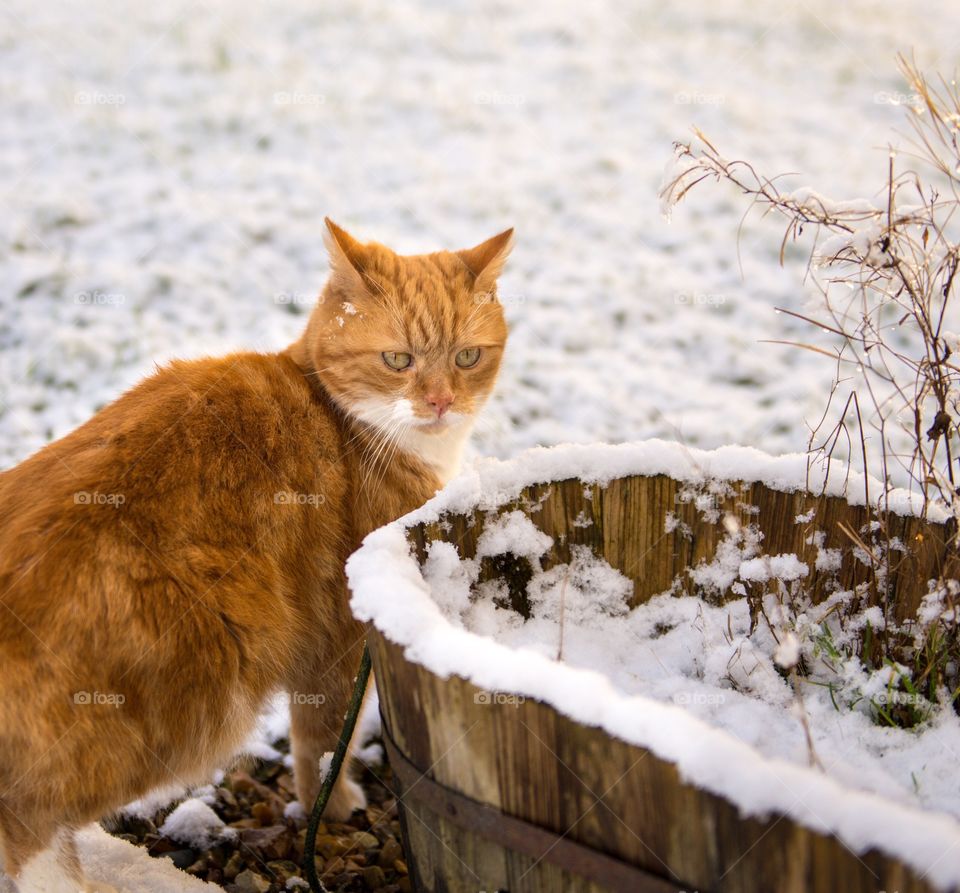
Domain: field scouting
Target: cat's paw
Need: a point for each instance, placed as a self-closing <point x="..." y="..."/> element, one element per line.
<point x="346" y="796"/>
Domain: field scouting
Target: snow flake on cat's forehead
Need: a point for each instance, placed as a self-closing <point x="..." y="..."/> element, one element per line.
<point x="349" y="308"/>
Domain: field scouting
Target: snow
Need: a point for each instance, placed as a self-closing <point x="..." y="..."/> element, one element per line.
<point x="294" y="810"/>
<point x="513" y="532"/>
<point x="689" y="678"/>
<point x="113" y="861"/>
<point x="787" y="653"/>
<point x="326" y="761"/>
<point x="167" y="172"/>
<point x="574" y="593"/>
<point x="489" y="482"/>
<point x="781" y="567"/>
<point x="195" y="824"/>
<point x="148" y="806"/>
<point x="809" y="199"/>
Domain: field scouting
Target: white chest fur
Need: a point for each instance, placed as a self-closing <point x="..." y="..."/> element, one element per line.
<point x="441" y="450"/>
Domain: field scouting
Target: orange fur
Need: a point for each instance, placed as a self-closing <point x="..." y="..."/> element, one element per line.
<point x="180" y="556"/>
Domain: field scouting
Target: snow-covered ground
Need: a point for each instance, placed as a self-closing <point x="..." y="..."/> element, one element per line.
<point x="165" y="168"/>
<point x="109" y="860"/>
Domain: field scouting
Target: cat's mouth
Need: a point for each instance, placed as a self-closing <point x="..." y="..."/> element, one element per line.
<point x="435" y="425"/>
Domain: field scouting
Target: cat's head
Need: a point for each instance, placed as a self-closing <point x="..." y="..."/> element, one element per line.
<point x="409" y="341"/>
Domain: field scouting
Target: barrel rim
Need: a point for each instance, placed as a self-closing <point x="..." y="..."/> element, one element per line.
<point x="389" y="590"/>
<point x="491" y="483"/>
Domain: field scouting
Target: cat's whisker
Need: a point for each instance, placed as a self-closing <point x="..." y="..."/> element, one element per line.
<point x="387" y="458"/>
<point x="370" y="454"/>
<point x="373" y="427"/>
<point x="395" y="430"/>
<point x="370" y="469"/>
<point x="391" y="441"/>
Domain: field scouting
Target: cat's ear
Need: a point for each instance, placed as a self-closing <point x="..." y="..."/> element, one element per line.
<point x="346" y="255"/>
<point x="485" y="261"/>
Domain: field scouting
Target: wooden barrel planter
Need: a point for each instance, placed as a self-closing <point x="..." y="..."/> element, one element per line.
<point x="517" y="772"/>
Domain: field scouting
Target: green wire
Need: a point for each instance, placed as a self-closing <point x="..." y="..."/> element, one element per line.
<point x="349" y="723"/>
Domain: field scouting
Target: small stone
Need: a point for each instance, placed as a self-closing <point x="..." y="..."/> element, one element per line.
<point x="329" y="846"/>
<point x="200" y="867"/>
<point x="272" y="842"/>
<point x="263" y="813"/>
<point x="234" y="866"/>
<point x="181" y="858"/>
<point x="390" y="853"/>
<point x="161" y="845"/>
<point x="373" y="877"/>
<point x="285" y="783"/>
<point x="249" y="882"/>
<point x="243" y="785"/>
<point x="333" y="867"/>
<point x="381" y="833"/>
<point x="284" y="869"/>
<point x="267" y="771"/>
<point x="364" y="840"/>
<point x="404" y="885"/>
<point x="375" y="815"/>
<point x="135" y="825"/>
<point x="400" y="867"/>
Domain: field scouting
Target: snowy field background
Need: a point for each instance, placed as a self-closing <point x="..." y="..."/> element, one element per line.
<point x="166" y="168"/>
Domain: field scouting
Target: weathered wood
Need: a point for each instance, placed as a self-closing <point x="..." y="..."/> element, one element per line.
<point x="531" y="762"/>
<point x="519" y="837"/>
<point x="625" y="523"/>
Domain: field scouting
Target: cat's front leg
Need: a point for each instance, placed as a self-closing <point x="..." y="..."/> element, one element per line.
<point x="316" y="720"/>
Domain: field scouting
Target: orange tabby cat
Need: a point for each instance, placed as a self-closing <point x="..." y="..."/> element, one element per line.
<point x="178" y="558"/>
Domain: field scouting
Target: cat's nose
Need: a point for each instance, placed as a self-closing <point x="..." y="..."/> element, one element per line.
<point x="439" y="401"/>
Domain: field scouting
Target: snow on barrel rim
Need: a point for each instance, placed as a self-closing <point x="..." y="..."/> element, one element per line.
<point x="490" y="483"/>
<point x="389" y="590"/>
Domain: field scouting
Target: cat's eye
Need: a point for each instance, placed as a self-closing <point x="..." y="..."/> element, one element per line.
<point x="468" y="357"/>
<point x="397" y="360"/>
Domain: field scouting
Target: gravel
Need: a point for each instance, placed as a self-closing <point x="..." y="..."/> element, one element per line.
<point x="264" y="854"/>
